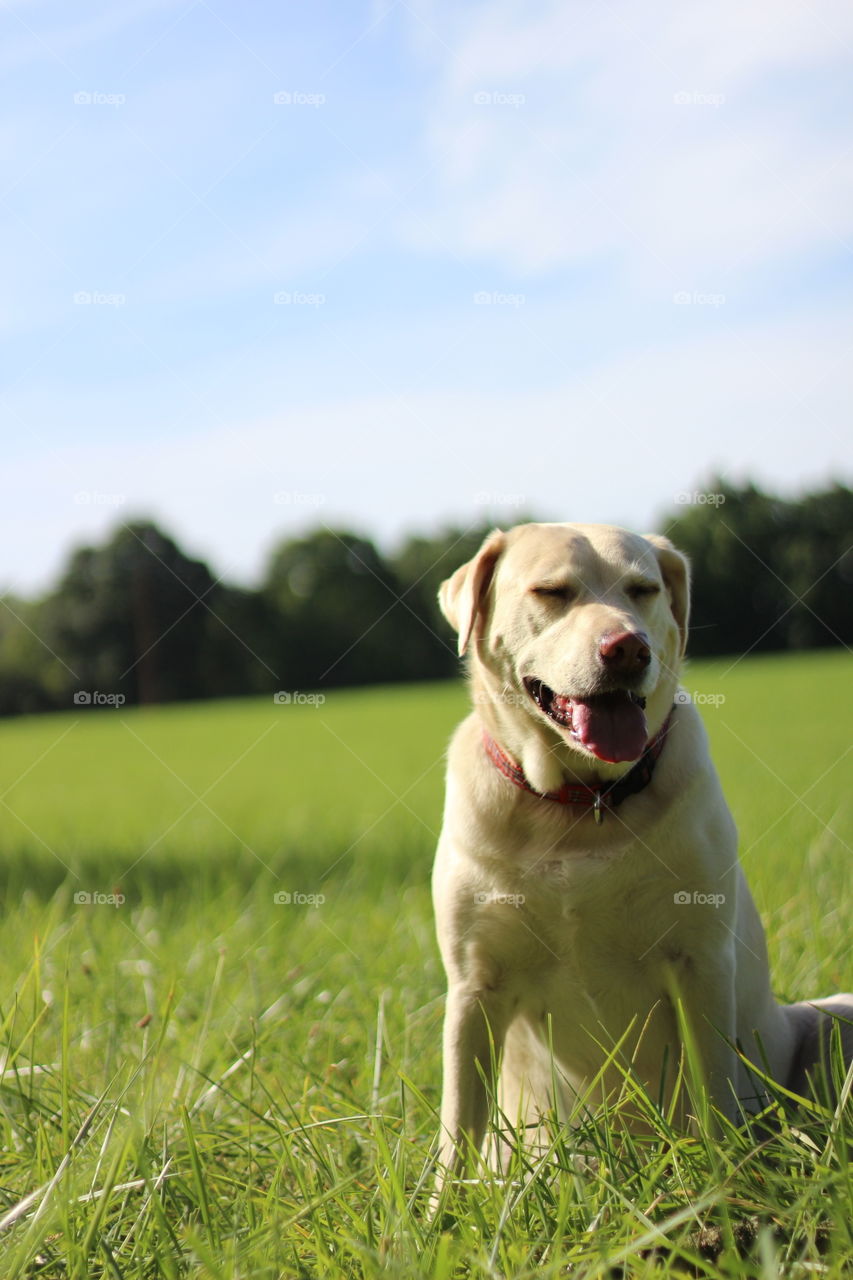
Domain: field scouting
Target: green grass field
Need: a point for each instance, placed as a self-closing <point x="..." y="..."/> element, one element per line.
<point x="201" y="1080"/>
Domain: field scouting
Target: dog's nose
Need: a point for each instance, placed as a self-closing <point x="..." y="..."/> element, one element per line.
<point x="625" y="652"/>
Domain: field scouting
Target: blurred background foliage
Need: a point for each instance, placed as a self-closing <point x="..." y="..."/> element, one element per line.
<point x="137" y="616"/>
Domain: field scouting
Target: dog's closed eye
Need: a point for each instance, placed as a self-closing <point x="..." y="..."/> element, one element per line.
<point x="555" y="591"/>
<point x="637" y="590"/>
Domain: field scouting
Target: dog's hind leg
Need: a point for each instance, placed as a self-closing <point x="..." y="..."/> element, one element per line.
<point x="813" y="1021"/>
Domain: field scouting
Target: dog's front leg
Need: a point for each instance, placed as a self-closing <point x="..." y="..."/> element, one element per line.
<point x="714" y="1037"/>
<point x="474" y="1026"/>
<point x="704" y="1003"/>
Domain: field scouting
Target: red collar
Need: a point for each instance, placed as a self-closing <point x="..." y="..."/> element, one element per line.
<point x="595" y="798"/>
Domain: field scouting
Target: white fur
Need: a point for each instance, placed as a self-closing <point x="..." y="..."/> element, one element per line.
<point x="561" y="937"/>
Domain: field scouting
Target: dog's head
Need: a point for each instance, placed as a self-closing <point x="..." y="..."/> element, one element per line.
<point x="576" y="634"/>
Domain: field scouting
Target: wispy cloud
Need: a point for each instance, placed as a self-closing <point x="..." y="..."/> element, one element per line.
<point x="580" y="254"/>
<point x="40" y="32"/>
<point x="678" y="142"/>
<point x="618" y="442"/>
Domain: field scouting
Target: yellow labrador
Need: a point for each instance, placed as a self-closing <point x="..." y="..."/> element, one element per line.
<point x="587" y="890"/>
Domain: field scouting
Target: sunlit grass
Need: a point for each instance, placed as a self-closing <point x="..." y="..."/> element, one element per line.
<point x="203" y="1081"/>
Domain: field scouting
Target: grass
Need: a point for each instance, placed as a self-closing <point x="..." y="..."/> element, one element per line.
<point x="203" y="1081"/>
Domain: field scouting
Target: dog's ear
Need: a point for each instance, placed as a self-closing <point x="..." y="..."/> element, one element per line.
<point x="463" y="596"/>
<point x="676" y="575"/>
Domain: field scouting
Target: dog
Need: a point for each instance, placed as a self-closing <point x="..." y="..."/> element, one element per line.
<point x="591" y="912"/>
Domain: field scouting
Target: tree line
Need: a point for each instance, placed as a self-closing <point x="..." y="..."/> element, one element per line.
<point x="136" y="620"/>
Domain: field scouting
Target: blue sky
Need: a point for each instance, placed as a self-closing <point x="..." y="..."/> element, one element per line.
<point x="387" y="265"/>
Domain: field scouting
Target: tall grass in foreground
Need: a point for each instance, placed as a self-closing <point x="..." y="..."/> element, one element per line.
<point x="204" y="1081"/>
<point x="158" y="1121"/>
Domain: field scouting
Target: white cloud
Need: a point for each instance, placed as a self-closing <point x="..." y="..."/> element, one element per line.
<point x="619" y="443"/>
<point x="680" y="141"/>
<point x="584" y="167"/>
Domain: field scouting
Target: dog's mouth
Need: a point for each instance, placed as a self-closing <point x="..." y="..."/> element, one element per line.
<point x="612" y="726"/>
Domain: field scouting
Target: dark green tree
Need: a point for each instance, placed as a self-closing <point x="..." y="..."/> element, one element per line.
<point x="31" y="679"/>
<point x="343" y="614"/>
<point x="130" y="617"/>
<point x="421" y="565"/>
<point x="768" y="574"/>
<point x="816" y="563"/>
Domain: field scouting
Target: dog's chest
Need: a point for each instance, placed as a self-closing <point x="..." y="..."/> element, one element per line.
<point x="577" y="877"/>
<point x="585" y="910"/>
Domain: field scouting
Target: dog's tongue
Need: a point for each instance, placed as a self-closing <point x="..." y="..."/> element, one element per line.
<point x="612" y="728"/>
